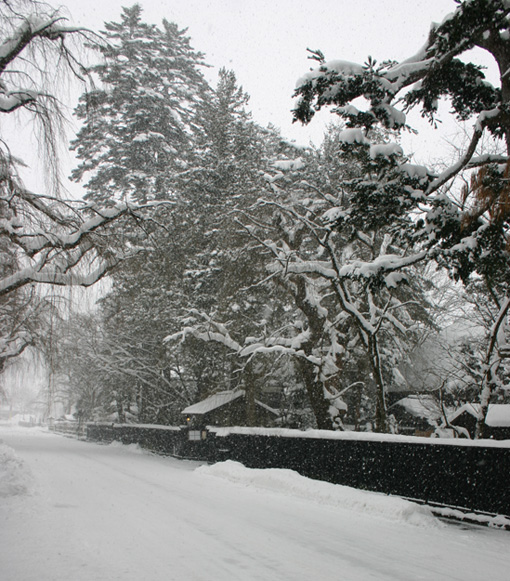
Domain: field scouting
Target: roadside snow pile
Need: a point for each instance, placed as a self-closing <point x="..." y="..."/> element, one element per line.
<point x="15" y="477"/>
<point x="291" y="483"/>
<point x="131" y="448"/>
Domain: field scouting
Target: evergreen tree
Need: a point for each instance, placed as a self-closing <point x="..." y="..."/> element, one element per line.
<point x="197" y="262"/>
<point x="135" y="142"/>
<point x="136" y="132"/>
<point x="232" y="157"/>
<point x="228" y="162"/>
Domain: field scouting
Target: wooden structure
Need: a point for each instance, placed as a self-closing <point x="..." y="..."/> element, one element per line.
<point x="227" y="408"/>
<point x="417" y="414"/>
<point x="497" y="421"/>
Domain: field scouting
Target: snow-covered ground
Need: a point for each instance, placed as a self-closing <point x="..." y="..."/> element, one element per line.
<point x="72" y="510"/>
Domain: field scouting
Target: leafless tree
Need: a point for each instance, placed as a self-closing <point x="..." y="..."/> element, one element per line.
<point x="44" y="238"/>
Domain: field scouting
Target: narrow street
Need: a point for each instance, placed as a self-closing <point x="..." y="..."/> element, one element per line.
<point x="101" y="513"/>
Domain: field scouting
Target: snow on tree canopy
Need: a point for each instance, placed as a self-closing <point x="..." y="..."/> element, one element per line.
<point x="333" y="215"/>
<point x="415" y="171"/>
<point x="337" y="66"/>
<point x="153" y="85"/>
<point x="289" y="164"/>
<point x="385" y="150"/>
<point x="368" y="269"/>
<point x="394" y="117"/>
<point x="393" y="279"/>
<point x="353" y="135"/>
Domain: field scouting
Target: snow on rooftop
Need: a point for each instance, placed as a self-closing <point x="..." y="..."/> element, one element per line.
<point x="420" y="406"/>
<point x="220" y="399"/>
<point x="213" y="402"/>
<point x="498" y="415"/>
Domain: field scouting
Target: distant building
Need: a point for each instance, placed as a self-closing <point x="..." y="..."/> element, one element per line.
<point x="497" y="421"/>
<point x="7" y="413"/>
<point x="416" y="414"/>
<point x="227" y="408"/>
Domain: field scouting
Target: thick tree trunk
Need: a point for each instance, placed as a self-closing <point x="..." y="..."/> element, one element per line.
<point x="381" y="414"/>
<point x="313" y="385"/>
<point x="315" y="390"/>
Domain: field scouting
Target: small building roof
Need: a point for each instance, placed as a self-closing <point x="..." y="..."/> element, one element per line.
<point x="218" y="400"/>
<point x="498" y="414"/>
<point x="420" y="406"/>
<point x="213" y="402"/>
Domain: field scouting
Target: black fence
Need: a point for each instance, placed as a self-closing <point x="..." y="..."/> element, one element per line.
<point x="469" y="475"/>
<point x="75" y="429"/>
<point x="159" y="439"/>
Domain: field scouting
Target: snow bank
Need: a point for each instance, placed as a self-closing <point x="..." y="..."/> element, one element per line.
<point x="131" y="448"/>
<point x="290" y="483"/>
<point x="498" y="521"/>
<point x="15" y="477"/>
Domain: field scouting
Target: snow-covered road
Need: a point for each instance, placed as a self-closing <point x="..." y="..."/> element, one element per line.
<point x="73" y="511"/>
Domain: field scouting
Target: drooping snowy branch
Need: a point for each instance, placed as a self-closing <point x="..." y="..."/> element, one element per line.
<point x="52" y="254"/>
<point x="28" y="32"/>
<point x="205" y="328"/>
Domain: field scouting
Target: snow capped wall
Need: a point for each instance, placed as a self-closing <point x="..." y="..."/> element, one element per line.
<point x="460" y="473"/>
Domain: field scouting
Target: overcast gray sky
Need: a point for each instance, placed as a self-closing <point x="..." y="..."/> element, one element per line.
<point x="265" y="42"/>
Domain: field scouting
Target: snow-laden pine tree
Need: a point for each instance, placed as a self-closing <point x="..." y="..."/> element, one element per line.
<point x="137" y="125"/>
<point x="229" y="158"/>
<point x="470" y="236"/>
<point x="135" y="142"/>
<point x="228" y="305"/>
<point x="197" y="261"/>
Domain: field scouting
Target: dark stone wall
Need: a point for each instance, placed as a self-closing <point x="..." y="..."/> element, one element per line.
<point x="468" y="475"/>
